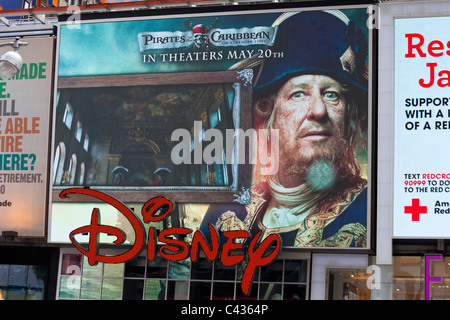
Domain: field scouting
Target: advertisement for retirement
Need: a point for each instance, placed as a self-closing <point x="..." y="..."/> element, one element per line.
<point x="25" y="106"/>
<point x="422" y="128"/>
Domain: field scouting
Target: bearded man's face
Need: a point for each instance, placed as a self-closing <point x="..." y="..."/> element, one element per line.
<point x="309" y="115"/>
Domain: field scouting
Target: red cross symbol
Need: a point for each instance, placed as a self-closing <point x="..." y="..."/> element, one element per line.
<point x="415" y="209"/>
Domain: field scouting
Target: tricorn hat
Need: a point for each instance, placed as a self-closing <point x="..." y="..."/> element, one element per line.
<point x="316" y="42"/>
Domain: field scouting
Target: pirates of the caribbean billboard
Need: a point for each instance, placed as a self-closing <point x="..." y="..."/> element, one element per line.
<point x="256" y="121"/>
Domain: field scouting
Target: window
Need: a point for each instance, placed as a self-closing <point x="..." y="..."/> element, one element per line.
<point x="78" y="131"/>
<point x="81" y="174"/>
<point x="72" y="169"/>
<point x="86" y="142"/>
<point x="64" y="3"/>
<point x="404" y="280"/>
<point x="215" y="118"/>
<point x="57" y="99"/>
<point x="348" y="284"/>
<point x="408" y="278"/>
<point x="284" y="280"/>
<point x="68" y="116"/>
<point x="58" y="163"/>
<point x="159" y="279"/>
<point x="22" y="282"/>
<point x="69" y="175"/>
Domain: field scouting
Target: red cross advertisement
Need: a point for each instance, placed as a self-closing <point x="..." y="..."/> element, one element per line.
<point x="422" y="128"/>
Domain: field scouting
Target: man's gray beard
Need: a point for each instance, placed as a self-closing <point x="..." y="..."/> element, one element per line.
<point x="339" y="155"/>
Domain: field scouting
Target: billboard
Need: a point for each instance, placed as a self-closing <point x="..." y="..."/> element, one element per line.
<point x="24" y="140"/>
<point x="11" y="4"/>
<point x="256" y="120"/>
<point x="422" y="79"/>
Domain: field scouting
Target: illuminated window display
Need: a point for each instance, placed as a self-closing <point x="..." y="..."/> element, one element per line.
<point x="22" y="282"/>
<point x="159" y="279"/>
<point x="410" y="280"/>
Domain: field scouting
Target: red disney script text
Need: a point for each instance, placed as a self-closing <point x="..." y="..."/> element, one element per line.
<point x="172" y="249"/>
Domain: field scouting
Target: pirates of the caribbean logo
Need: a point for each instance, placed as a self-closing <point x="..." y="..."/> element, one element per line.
<point x="201" y="37"/>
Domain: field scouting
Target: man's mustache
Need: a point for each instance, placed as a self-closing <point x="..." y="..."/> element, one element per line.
<point x="316" y="129"/>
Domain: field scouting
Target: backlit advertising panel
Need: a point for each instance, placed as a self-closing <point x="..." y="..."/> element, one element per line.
<point x="254" y="120"/>
<point x="25" y="106"/>
<point x="11" y="4"/>
<point x="422" y="80"/>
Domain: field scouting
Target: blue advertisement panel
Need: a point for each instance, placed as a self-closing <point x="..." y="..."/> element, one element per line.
<point x="11" y="4"/>
<point x="255" y="121"/>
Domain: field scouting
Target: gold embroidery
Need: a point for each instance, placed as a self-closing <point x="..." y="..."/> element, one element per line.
<point x="311" y="230"/>
<point x="346" y="235"/>
<point x="228" y="221"/>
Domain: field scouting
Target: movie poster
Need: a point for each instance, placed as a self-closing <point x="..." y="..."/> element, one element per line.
<point x="257" y="121"/>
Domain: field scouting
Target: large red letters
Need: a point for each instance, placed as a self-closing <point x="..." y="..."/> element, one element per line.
<point x="172" y="249"/>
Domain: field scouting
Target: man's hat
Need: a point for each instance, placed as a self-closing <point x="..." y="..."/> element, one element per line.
<point x="316" y="42"/>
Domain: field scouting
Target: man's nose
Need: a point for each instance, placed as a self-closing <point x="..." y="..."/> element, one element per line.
<point x="317" y="109"/>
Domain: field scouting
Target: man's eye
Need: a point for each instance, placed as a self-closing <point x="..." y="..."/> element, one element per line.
<point x="298" y="95"/>
<point x="331" y="95"/>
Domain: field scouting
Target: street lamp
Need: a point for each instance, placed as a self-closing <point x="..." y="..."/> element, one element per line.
<point x="11" y="61"/>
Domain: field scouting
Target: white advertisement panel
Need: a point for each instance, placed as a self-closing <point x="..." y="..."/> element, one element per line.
<point x="422" y="128"/>
<point x="25" y="104"/>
